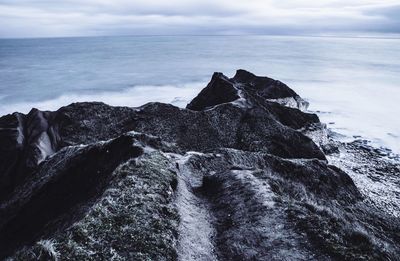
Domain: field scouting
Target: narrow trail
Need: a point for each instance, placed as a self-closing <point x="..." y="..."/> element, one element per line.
<point x="196" y="230"/>
<point x="231" y="213"/>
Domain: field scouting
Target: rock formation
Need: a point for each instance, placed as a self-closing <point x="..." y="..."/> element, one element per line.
<point x="233" y="176"/>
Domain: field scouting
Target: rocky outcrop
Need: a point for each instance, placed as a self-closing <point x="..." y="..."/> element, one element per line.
<point x="232" y="177"/>
<point x="52" y="198"/>
<point x="220" y="90"/>
<point x="26" y="141"/>
<point x="247" y="89"/>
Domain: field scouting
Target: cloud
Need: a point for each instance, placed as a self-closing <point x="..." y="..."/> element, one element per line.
<point x="47" y="18"/>
<point x="389" y="17"/>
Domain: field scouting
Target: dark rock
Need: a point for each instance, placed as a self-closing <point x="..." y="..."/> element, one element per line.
<point x="224" y="126"/>
<point x="26" y="141"/>
<point x="51" y="200"/>
<point x="133" y="218"/>
<point x="330" y="149"/>
<point x="11" y="150"/>
<point x="219" y="90"/>
<point x="264" y="207"/>
<point x="83" y="123"/>
<point x="250" y="91"/>
<point x="244" y="84"/>
<point x="264" y="87"/>
<point x="232" y="177"/>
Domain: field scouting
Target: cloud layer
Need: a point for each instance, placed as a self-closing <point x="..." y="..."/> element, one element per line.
<point x="48" y="18"/>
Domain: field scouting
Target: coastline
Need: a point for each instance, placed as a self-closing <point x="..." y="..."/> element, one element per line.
<point x="136" y="182"/>
<point x="347" y="81"/>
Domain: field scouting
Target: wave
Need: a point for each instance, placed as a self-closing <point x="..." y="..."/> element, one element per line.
<point x="357" y="112"/>
<point x="346" y="111"/>
<point x="178" y="95"/>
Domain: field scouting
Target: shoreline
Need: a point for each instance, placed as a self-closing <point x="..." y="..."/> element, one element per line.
<point x="138" y="96"/>
<point x="238" y="163"/>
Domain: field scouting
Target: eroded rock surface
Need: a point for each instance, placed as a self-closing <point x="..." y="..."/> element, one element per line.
<point x="235" y="176"/>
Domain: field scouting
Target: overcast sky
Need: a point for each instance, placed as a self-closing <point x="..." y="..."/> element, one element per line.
<point x="51" y="18"/>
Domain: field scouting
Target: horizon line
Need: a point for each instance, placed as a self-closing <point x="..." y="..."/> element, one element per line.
<point x="380" y="36"/>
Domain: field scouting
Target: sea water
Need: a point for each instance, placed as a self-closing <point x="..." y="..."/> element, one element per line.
<point x="353" y="84"/>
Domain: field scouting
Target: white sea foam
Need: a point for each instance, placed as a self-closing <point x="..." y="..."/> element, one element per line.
<point x="368" y="112"/>
<point x="355" y="80"/>
<point x="178" y="95"/>
<point x="362" y="112"/>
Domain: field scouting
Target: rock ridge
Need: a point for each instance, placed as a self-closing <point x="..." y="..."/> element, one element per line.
<point x="240" y="174"/>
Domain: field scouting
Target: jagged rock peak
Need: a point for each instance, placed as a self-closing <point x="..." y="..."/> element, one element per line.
<point x="27" y="140"/>
<point x="267" y="87"/>
<point x="245" y="88"/>
<point x="219" y="90"/>
<point x="233" y="177"/>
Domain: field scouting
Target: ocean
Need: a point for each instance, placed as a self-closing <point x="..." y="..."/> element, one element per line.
<point x="353" y="84"/>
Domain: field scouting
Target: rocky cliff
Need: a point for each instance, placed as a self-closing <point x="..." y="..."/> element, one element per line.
<point x="240" y="174"/>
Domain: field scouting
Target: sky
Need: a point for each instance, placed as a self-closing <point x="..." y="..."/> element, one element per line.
<point x="59" y="18"/>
